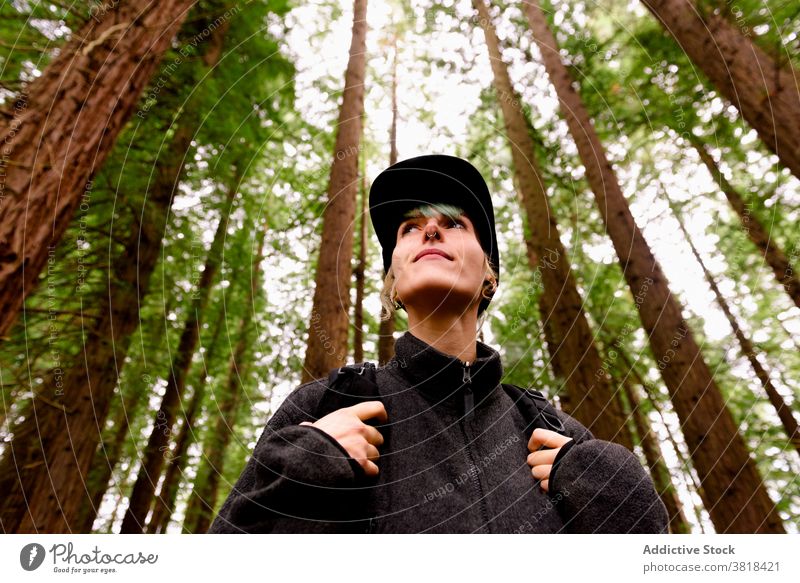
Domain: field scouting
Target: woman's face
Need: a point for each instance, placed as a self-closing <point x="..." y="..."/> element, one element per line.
<point x="451" y="277"/>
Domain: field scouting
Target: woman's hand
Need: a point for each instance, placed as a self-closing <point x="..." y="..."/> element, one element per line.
<point x="541" y="461"/>
<point x="347" y="426"/>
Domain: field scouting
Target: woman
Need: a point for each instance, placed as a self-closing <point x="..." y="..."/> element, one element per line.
<point x="443" y="449"/>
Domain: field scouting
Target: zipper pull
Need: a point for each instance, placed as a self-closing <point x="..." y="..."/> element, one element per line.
<point x="469" y="396"/>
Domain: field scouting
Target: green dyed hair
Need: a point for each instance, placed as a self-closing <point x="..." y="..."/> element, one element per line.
<point x="431" y="210"/>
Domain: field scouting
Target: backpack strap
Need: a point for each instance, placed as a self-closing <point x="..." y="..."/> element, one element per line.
<point x="348" y="386"/>
<point x="536" y="410"/>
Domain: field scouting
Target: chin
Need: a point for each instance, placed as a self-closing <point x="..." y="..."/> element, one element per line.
<point x="439" y="294"/>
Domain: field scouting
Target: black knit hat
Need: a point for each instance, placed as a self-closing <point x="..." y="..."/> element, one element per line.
<point x="432" y="179"/>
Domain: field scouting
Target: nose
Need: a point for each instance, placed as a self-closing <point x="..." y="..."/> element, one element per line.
<point x="431" y="229"/>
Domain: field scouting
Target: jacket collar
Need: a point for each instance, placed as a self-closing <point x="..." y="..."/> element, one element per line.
<point x="439" y="376"/>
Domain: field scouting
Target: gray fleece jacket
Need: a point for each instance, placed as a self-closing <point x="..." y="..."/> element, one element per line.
<point x="451" y="462"/>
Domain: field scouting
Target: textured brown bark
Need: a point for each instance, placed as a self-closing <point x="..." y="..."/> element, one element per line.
<point x="327" y="331"/>
<point x="655" y="462"/>
<point x="734" y="494"/>
<point x="765" y="92"/>
<point x="105" y="460"/>
<point x="203" y="497"/>
<point x="63" y="128"/>
<point x="686" y="476"/>
<point x="43" y="473"/>
<point x="111" y="450"/>
<point x="158" y="444"/>
<point x="358" y="275"/>
<point x="387" y="328"/>
<point x="164" y="504"/>
<point x="783" y="410"/>
<point x="758" y="234"/>
<point x="587" y="383"/>
<point x="545" y="308"/>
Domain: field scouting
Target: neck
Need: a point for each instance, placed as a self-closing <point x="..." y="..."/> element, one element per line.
<point x="455" y="336"/>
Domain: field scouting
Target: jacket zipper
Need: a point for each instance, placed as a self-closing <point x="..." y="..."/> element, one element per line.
<point x="469" y="396"/>
<point x="476" y="483"/>
<point x="469" y="406"/>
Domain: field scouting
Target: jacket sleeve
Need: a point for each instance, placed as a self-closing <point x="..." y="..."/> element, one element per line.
<point x="297" y="477"/>
<point x="601" y="487"/>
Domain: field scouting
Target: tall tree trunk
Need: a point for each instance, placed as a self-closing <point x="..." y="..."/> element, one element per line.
<point x="655" y="461"/>
<point x="63" y="128"/>
<point x="765" y="92"/>
<point x="111" y="450"/>
<point x="386" y="328"/>
<point x="328" y="329"/>
<point x="143" y="490"/>
<point x="358" y="310"/>
<point x="105" y="460"/>
<point x="53" y="449"/>
<point x="165" y="500"/>
<point x="746" y="345"/>
<point x="203" y="497"/>
<point x="758" y="234"/>
<point x="545" y="308"/>
<point x="733" y="491"/>
<point x="589" y="387"/>
<point x="683" y="462"/>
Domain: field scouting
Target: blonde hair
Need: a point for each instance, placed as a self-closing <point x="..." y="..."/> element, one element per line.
<point x="389" y="292"/>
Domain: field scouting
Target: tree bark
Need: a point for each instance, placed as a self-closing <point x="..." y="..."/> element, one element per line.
<point x="591" y="395"/>
<point x="733" y="491"/>
<point x="766" y="94"/>
<point x="328" y="329"/>
<point x="386" y="328"/>
<point x="63" y="128"/>
<point x="53" y="449"/>
<point x="655" y="462"/>
<point x="746" y="346"/>
<point x="158" y="444"/>
<point x="758" y="234"/>
<point x="359" y="272"/>
<point x="203" y="498"/>
<point x="165" y="499"/>
<point x="111" y="450"/>
<point x="683" y="462"/>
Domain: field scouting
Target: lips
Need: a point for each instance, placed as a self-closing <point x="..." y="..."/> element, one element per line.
<point x="432" y="251"/>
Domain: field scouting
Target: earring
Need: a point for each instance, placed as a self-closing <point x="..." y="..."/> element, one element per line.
<point x="396" y="302"/>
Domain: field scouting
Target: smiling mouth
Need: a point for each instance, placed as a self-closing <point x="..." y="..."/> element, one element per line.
<point x="432" y="253"/>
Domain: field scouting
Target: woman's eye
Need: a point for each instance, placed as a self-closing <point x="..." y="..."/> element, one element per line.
<point x="457" y="223"/>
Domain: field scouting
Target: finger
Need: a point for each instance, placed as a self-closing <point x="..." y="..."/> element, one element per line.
<point x="306" y="423"/>
<point x="545" y="437"/>
<point x="545" y="484"/>
<point x="541" y="472"/>
<point x="546" y="456"/>
<point x="370" y="468"/>
<point x="372" y="452"/>
<point x="372" y="435"/>
<point x="370" y="410"/>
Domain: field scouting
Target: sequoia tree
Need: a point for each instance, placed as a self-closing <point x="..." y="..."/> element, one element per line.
<point x="765" y="92"/>
<point x="63" y="126"/>
<point x="746" y="346"/>
<point x="328" y="328"/>
<point x="752" y="225"/>
<point x="387" y="327"/>
<point x="591" y="397"/>
<point x="732" y="489"/>
<point x="160" y="437"/>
